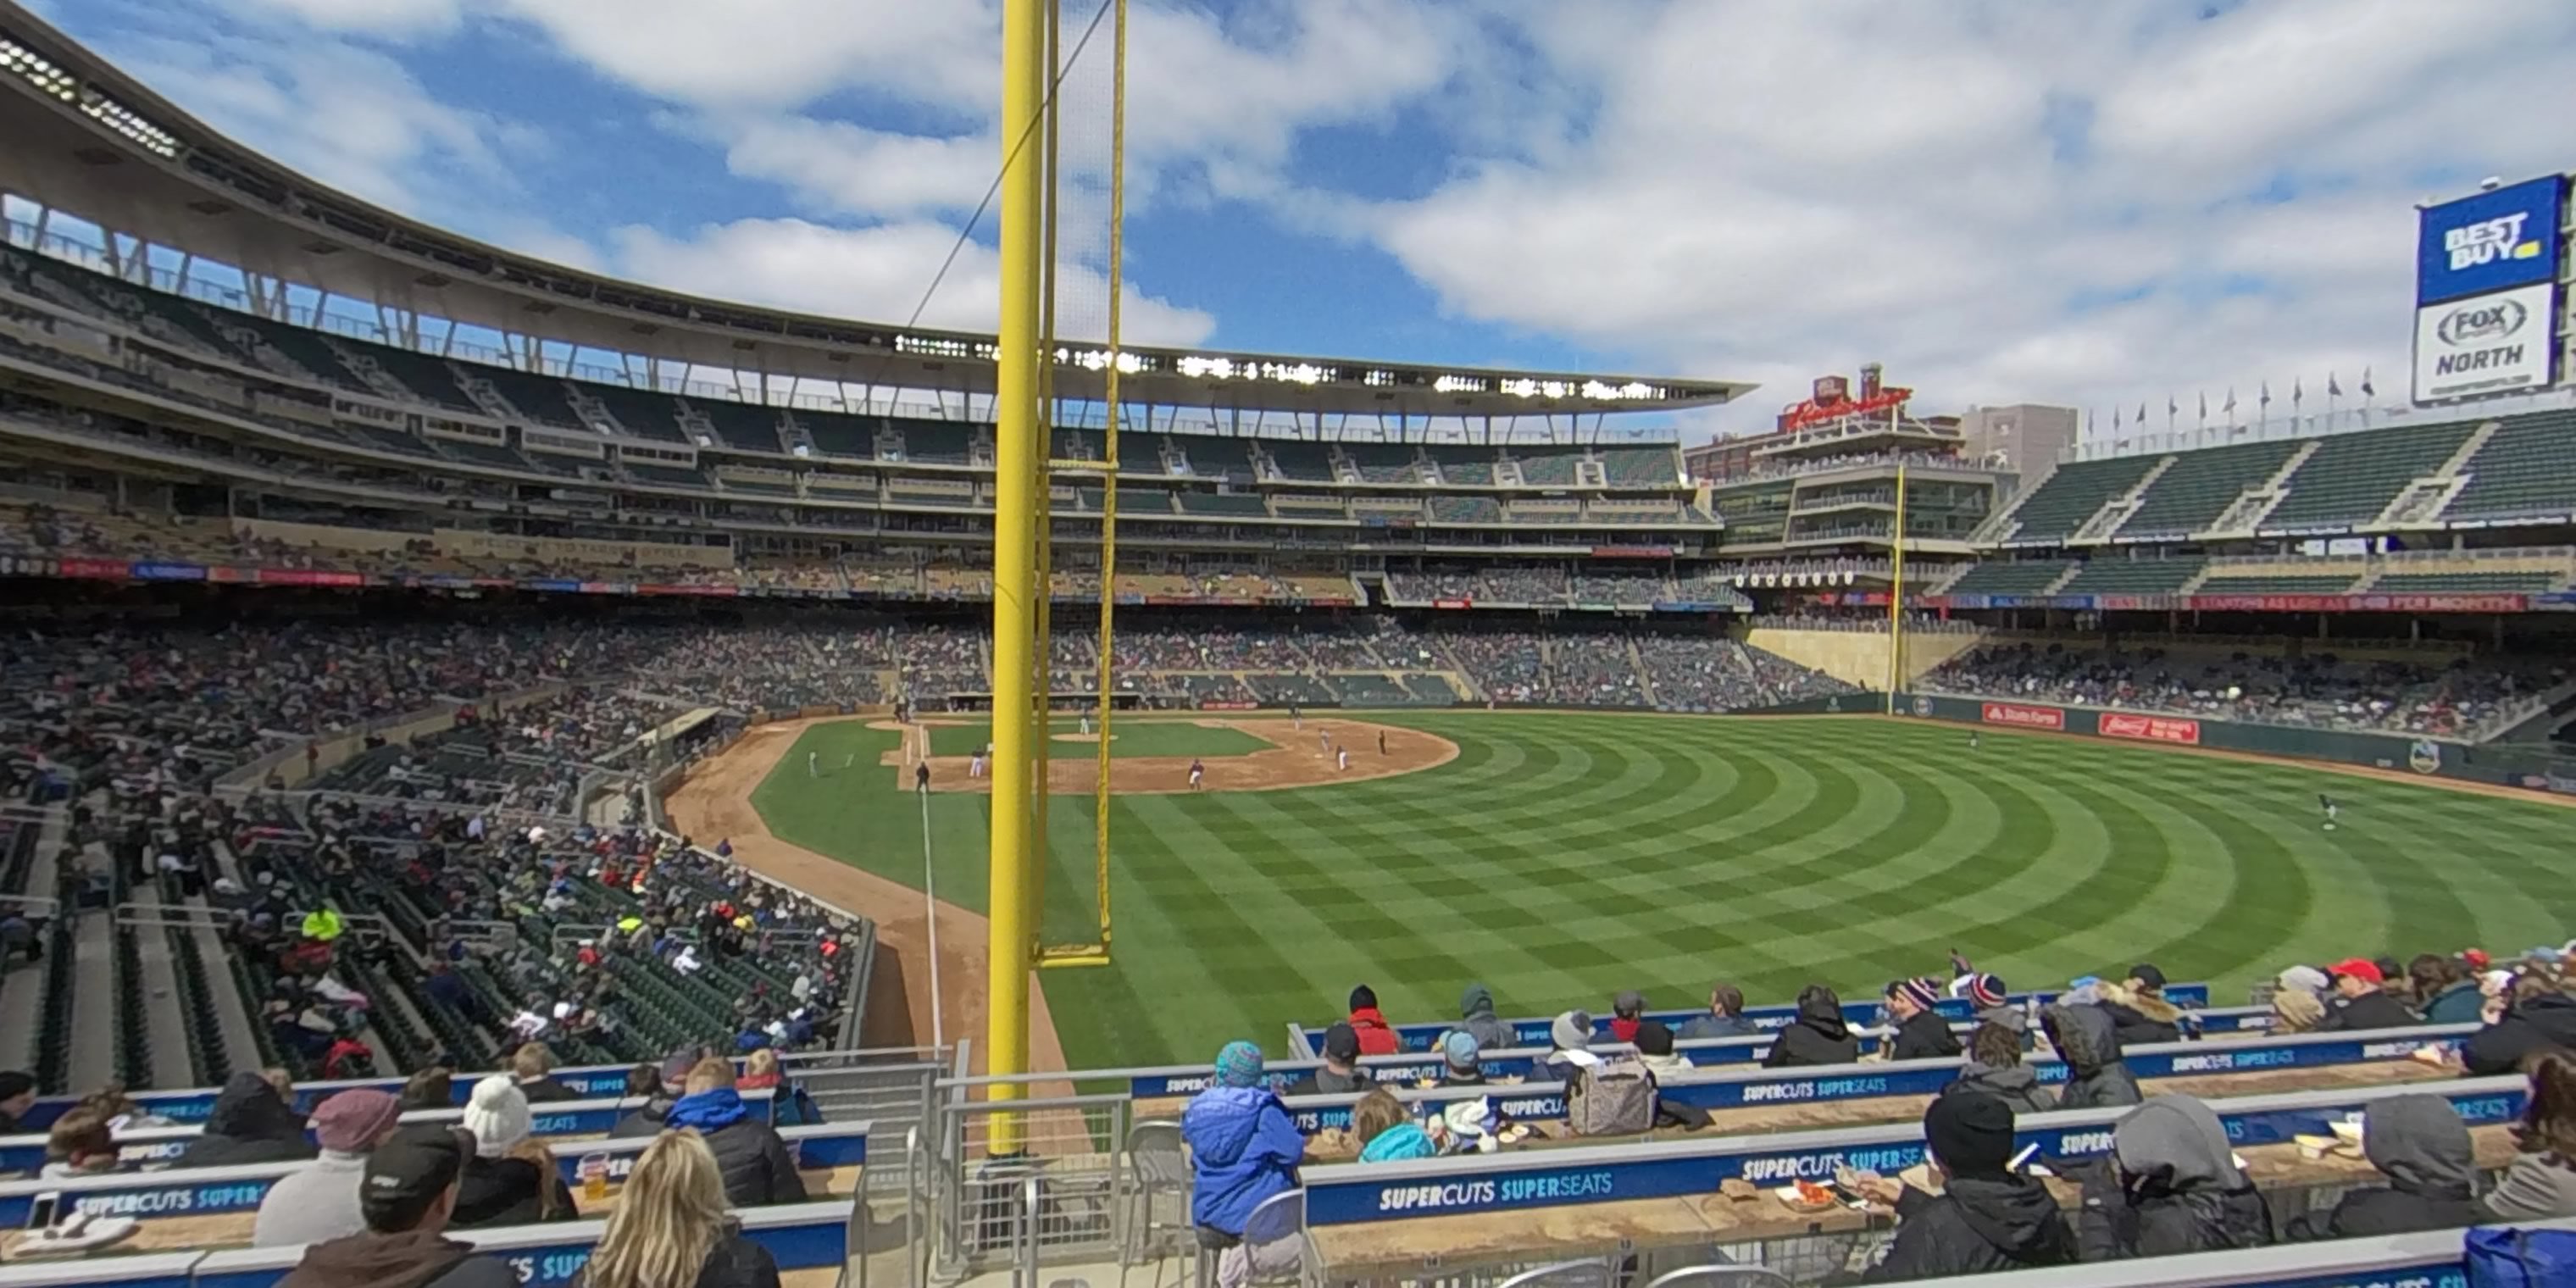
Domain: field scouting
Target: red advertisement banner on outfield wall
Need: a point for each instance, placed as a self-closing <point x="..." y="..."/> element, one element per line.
<point x="2150" y="728"/>
<point x="2019" y="716"/>
<point x="96" y="569"/>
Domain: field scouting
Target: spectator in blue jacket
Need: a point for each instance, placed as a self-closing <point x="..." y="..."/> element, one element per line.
<point x="1243" y="1147"/>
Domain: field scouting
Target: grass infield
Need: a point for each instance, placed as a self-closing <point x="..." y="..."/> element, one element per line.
<point x="1562" y="857"/>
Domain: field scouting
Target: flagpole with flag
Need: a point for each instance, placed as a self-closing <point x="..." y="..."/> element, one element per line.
<point x="2172" y="409"/>
<point x="2334" y="391"/>
<point x="2367" y="393"/>
<point x="2263" y="410"/>
<point x="2298" y="394"/>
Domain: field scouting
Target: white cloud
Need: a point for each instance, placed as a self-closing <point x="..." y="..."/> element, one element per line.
<point x="2082" y="203"/>
<point x="778" y="53"/>
<point x="348" y="116"/>
<point x="874" y="273"/>
<point x="395" y="18"/>
<point x="849" y="169"/>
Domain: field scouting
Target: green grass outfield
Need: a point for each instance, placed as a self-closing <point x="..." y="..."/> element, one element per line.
<point x="1562" y="857"/>
<point x="1128" y="738"/>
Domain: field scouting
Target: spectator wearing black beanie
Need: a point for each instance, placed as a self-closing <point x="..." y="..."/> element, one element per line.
<point x="1986" y="1217"/>
<point x="1376" y="1036"/>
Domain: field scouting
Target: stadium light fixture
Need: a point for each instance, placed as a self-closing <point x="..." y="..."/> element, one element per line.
<point x="37" y="70"/>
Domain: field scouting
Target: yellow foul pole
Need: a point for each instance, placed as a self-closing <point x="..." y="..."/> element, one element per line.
<point x="1019" y="449"/>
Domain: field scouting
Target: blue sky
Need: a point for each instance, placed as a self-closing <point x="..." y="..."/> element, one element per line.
<point x="2096" y="202"/>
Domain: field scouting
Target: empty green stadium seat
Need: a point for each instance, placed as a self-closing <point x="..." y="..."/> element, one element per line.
<point x="2133" y="577"/>
<point x="2074" y="493"/>
<point x="2352" y="477"/>
<point x="2031" y="577"/>
<point x="2197" y="490"/>
<point x="2526" y="470"/>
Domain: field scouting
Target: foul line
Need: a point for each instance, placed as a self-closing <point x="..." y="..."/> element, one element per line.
<point x="930" y="907"/>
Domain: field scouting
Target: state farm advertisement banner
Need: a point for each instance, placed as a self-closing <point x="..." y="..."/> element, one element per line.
<point x="2013" y="713"/>
<point x="2117" y="724"/>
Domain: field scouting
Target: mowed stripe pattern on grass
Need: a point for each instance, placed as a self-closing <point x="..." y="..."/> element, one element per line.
<point x="1563" y="857"/>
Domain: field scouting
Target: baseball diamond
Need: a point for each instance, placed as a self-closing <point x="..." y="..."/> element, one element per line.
<point x="1563" y="857"/>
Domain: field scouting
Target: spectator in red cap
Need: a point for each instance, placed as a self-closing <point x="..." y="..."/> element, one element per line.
<point x="2360" y="1003"/>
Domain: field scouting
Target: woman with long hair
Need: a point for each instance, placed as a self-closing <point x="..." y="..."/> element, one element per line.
<point x="670" y="1228"/>
<point x="2542" y="1181"/>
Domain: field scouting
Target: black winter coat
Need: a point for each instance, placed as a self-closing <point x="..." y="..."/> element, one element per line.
<point x="249" y="1124"/>
<point x="2117" y="1223"/>
<point x="2545" y="1021"/>
<point x="2371" y="1010"/>
<point x="1924" y="1037"/>
<point x="1817" y="1036"/>
<point x="756" y="1165"/>
<point x="1976" y="1224"/>
<point x="506" y="1191"/>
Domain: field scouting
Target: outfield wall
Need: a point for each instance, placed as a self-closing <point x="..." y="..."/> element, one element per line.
<point x="1860" y="657"/>
<point x="2509" y="766"/>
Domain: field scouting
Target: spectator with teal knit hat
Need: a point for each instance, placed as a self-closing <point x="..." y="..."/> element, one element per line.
<point x="1243" y="1147"/>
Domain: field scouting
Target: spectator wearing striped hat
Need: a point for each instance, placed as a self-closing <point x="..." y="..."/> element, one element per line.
<point x="1921" y="1033"/>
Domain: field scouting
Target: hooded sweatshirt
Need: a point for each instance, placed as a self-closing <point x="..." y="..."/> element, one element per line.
<point x="408" y="1260"/>
<point x="1476" y="1015"/>
<point x="1977" y="1223"/>
<point x="2016" y="1085"/>
<point x="249" y="1124"/>
<point x="2421" y="1146"/>
<point x="1817" y="1036"/>
<point x="1243" y="1149"/>
<point x="2087" y="1040"/>
<point x="2177" y="1188"/>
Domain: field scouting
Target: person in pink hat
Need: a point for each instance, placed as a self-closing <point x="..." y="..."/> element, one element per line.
<point x="320" y="1200"/>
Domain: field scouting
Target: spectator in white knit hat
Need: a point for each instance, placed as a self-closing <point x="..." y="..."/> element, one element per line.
<point x="510" y="1180"/>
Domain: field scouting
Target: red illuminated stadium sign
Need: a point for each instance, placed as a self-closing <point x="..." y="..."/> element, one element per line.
<point x="1453" y="603"/>
<point x="96" y="569"/>
<point x="2011" y="713"/>
<point x="1832" y="400"/>
<point x="2117" y="724"/>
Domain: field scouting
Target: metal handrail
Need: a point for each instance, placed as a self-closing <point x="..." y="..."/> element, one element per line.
<point x="1025" y="1273"/>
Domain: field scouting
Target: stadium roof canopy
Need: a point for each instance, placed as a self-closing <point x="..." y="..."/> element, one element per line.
<point x="85" y="139"/>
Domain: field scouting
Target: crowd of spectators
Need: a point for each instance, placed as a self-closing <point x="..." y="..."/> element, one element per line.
<point x="2461" y="699"/>
<point x="2171" y="1182"/>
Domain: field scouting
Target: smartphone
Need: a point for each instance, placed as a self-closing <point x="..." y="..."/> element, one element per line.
<point x="40" y="1214"/>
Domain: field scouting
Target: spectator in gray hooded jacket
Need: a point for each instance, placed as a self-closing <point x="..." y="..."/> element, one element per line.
<point x="1476" y="1016"/>
<point x="2089" y="1042"/>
